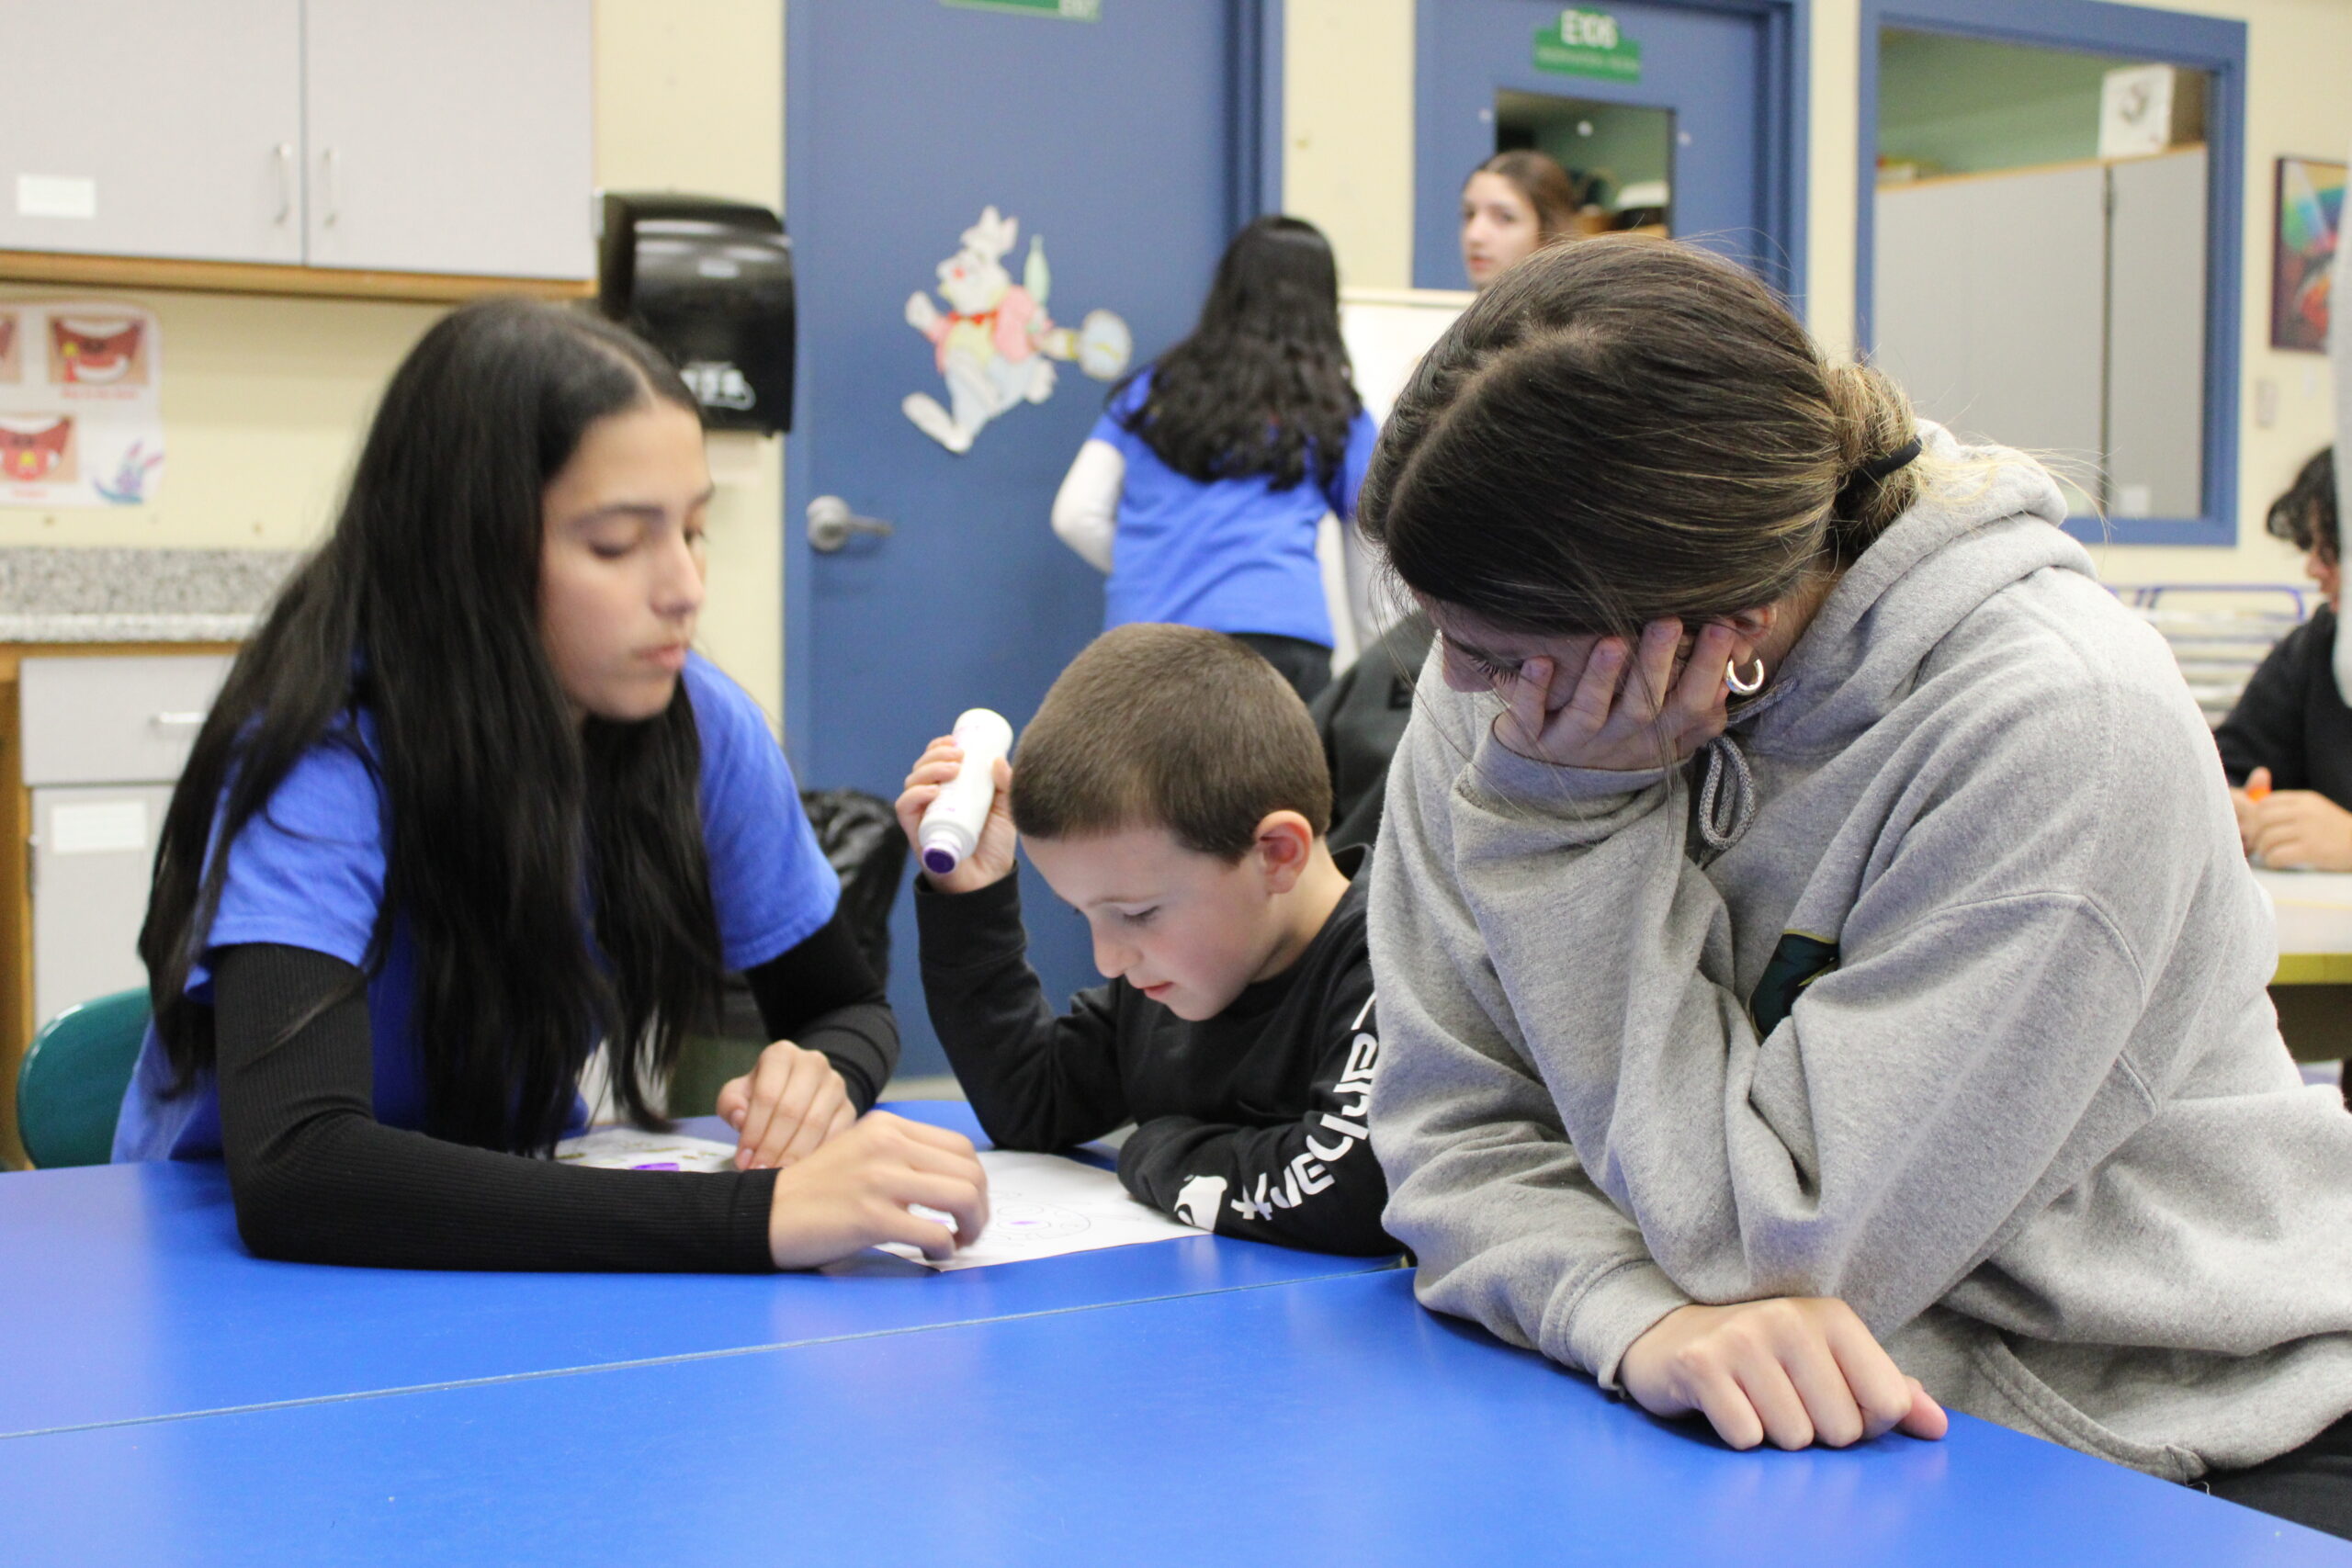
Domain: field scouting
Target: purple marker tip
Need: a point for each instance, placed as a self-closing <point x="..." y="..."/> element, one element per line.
<point x="939" y="861"/>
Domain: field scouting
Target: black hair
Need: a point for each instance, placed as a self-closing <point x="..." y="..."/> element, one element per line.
<point x="1262" y="385"/>
<point x="2305" y="515"/>
<point x="503" y="807"/>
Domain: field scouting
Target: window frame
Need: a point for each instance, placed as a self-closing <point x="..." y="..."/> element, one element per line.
<point x="2213" y="45"/>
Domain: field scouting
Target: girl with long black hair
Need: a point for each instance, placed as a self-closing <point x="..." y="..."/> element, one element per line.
<point x="467" y="806"/>
<point x="1201" y="488"/>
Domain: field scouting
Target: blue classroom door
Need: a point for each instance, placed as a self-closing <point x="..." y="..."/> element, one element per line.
<point x="991" y="207"/>
<point x="1726" y="69"/>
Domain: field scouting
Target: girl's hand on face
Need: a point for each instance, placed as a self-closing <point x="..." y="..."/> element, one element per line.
<point x="853" y="1194"/>
<point x="1794" y="1372"/>
<point x="2298" y="829"/>
<point x="791" y="1102"/>
<point x="991" y="858"/>
<point x="1626" y="708"/>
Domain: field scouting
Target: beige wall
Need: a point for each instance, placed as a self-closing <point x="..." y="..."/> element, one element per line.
<point x="1348" y="166"/>
<point x="690" y="97"/>
<point x="1348" y="132"/>
<point x="265" y="398"/>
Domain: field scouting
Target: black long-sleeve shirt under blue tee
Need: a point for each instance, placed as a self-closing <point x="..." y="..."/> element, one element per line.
<point x="1250" y="1123"/>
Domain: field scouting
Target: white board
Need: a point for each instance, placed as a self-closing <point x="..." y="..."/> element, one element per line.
<point x="1387" y="331"/>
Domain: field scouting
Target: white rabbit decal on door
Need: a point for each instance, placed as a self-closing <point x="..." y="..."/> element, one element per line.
<point x="995" y="344"/>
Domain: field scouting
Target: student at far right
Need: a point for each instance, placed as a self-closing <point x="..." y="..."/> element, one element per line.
<point x="1170" y="790"/>
<point x="1819" y="982"/>
<point x="2286" y="746"/>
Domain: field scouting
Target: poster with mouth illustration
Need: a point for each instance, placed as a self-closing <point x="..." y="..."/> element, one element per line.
<point x="81" y="410"/>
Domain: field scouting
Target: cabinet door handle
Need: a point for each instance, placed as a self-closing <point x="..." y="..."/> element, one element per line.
<point x="326" y="188"/>
<point x="178" y="721"/>
<point x="285" y="182"/>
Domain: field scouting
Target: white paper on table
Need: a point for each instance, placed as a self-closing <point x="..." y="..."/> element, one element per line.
<point x="1045" y="1206"/>
<point x="625" y="1148"/>
<point x="1039" y="1205"/>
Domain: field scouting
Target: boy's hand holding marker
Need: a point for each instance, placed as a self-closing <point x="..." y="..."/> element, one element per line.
<point x="991" y="858"/>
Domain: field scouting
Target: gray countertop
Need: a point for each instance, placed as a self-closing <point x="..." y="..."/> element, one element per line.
<point x="136" y="595"/>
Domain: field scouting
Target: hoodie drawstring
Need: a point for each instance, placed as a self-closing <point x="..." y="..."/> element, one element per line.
<point x="1725" y="812"/>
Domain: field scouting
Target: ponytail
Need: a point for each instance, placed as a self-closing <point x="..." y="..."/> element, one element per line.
<point x="1878" y="444"/>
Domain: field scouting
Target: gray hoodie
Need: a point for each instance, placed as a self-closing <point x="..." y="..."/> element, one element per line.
<point x="1966" y="1027"/>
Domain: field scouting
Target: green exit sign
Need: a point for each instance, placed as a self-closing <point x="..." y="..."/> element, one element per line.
<point x="1587" y="44"/>
<point x="1068" y="10"/>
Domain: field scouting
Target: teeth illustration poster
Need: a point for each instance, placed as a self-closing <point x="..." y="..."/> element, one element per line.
<point x="994" y="344"/>
<point x="81" y="410"/>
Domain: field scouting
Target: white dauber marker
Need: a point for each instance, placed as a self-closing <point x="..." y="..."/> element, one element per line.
<point x="951" y="826"/>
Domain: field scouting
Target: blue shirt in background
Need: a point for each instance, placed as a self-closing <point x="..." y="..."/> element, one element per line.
<point x="1232" y="555"/>
<point x="308" y="872"/>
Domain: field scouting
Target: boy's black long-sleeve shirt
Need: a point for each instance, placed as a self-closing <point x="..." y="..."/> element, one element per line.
<point x="2293" y="719"/>
<point x="1250" y="1123"/>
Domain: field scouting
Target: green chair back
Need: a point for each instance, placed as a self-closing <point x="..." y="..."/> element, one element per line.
<point x="70" y="1088"/>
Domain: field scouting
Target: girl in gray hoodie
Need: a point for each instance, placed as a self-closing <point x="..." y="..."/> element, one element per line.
<point x="1821" y="981"/>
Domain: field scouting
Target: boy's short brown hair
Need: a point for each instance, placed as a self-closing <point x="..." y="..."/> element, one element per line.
<point x="1174" y="727"/>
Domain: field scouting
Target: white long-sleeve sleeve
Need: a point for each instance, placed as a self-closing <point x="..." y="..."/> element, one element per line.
<point x="1085" y="509"/>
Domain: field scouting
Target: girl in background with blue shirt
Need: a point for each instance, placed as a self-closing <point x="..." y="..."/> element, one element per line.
<point x="469" y="805"/>
<point x="1193" y="490"/>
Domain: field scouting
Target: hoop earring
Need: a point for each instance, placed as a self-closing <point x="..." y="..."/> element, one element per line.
<point x="1748" y="687"/>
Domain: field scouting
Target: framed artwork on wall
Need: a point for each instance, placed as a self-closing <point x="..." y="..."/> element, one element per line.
<point x="2303" y="251"/>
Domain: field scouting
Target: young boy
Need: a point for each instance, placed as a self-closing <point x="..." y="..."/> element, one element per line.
<point x="1172" y="790"/>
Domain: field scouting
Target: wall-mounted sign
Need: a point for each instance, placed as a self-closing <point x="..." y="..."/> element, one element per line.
<point x="1587" y="44"/>
<point x="994" y="345"/>
<point x="1068" y="10"/>
<point x="81" y="421"/>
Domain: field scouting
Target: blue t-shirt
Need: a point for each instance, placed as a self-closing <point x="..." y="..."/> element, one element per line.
<point x="308" y="872"/>
<point x="1232" y="555"/>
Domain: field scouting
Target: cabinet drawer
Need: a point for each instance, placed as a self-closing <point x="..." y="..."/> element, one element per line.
<point x="94" y="851"/>
<point x="103" y="720"/>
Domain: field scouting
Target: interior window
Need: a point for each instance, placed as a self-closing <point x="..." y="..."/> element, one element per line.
<point x="1620" y="156"/>
<point x="2040" y="264"/>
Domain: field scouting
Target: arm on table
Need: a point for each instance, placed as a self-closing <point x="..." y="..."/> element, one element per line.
<point x="1312" y="1183"/>
<point x="1038" y="1079"/>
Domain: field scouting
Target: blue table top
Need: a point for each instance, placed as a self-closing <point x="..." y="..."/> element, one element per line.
<point x="1327" y="1421"/>
<point x="130" y="1299"/>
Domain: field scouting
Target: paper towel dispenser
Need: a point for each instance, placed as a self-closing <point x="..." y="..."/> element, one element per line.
<point x="707" y="281"/>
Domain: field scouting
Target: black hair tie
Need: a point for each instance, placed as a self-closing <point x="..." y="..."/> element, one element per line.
<point x="1877" y="471"/>
<point x="1894" y="462"/>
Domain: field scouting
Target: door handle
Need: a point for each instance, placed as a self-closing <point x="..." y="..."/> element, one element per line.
<point x="184" y="720"/>
<point x="285" y="182"/>
<point x="830" y="524"/>
<point x="334" y="208"/>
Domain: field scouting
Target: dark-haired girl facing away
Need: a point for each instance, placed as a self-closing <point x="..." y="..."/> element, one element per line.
<point x="1820" y="983"/>
<point x="467" y="806"/>
<point x="1201" y="488"/>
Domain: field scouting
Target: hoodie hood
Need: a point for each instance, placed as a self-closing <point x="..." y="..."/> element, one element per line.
<point x="1991" y="520"/>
